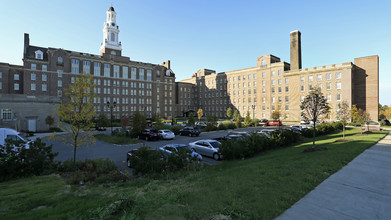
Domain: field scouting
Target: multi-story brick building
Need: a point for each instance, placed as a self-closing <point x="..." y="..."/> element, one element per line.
<point x="151" y="88"/>
<point x="275" y="84"/>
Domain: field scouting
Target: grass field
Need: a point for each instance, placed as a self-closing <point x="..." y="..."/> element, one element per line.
<point x="258" y="188"/>
<point x="116" y="139"/>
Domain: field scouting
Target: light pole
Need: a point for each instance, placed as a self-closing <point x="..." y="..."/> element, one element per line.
<point x="111" y="106"/>
<point x="253" y="107"/>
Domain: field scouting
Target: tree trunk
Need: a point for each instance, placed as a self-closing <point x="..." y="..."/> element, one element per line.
<point x="313" y="136"/>
<point x="343" y="132"/>
<point x="74" y="157"/>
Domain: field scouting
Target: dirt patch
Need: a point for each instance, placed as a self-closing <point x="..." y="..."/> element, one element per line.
<point x="360" y="134"/>
<point x="343" y="140"/>
<point x="313" y="149"/>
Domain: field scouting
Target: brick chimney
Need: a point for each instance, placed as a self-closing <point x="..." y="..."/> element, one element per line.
<point x="295" y="50"/>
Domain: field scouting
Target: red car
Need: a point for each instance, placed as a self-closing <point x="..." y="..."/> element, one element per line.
<point x="274" y="123"/>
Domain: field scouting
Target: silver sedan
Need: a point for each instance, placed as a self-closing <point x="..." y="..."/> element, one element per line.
<point x="207" y="147"/>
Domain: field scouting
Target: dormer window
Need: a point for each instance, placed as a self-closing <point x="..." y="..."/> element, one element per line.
<point x="59" y="60"/>
<point x="38" y="55"/>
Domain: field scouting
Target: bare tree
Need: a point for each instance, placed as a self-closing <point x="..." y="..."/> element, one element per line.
<point x="343" y="115"/>
<point x="362" y="117"/>
<point x="313" y="106"/>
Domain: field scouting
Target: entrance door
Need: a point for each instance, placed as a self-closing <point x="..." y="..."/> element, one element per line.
<point x="32" y="125"/>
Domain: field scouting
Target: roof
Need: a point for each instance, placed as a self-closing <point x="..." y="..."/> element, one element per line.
<point x="30" y="53"/>
<point x="111" y="8"/>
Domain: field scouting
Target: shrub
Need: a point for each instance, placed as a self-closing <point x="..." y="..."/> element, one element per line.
<point x="383" y="123"/>
<point x="254" y="122"/>
<point x="175" y="129"/>
<point x="98" y="170"/>
<point x="284" y="138"/>
<point x="17" y="161"/>
<point x="222" y="127"/>
<point x="55" y="129"/>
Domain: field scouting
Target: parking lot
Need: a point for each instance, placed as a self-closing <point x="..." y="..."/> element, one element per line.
<point x="117" y="153"/>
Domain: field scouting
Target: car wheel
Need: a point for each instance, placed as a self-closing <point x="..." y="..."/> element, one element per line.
<point x="193" y="149"/>
<point x="216" y="156"/>
<point x="128" y="163"/>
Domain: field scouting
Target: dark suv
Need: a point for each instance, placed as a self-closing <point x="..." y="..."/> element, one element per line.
<point x="149" y="134"/>
<point x="190" y="131"/>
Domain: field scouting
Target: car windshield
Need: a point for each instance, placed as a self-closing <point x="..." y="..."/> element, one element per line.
<point x="166" y="131"/>
<point x="215" y="144"/>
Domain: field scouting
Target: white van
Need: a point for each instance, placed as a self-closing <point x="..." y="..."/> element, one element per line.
<point x="8" y="133"/>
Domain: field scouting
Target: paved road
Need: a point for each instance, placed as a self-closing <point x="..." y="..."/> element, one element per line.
<point x="360" y="190"/>
<point x="117" y="153"/>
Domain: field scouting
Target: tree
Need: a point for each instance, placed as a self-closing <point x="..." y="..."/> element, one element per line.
<point x="276" y="114"/>
<point x="102" y="121"/>
<point x="124" y="121"/>
<point x="362" y="117"/>
<point x="78" y="111"/>
<point x="236" y="115"/>
<point x="138" y="124"/>
<point x="190" y="119"/>
<point x="49" y="121"/>
<point x="229" y="112"/>
<point x="200" y="113"/>
<point x="312" y="107"/>
<point x="343" y="115"/>
<point x="354" y="113"/>
<point x="247" y="120"/>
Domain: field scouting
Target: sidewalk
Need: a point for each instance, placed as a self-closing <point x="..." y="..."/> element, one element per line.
<point x="360" y="190"/>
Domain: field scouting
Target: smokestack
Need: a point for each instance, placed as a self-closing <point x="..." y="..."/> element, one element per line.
<point x="26" y="43"/>
<point x="295" y="50"/>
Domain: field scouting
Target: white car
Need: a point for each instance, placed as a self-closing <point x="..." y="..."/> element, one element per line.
<point x="207" y="148"/>
<point x="7" y="133"/>
<point x="166" y="134"/>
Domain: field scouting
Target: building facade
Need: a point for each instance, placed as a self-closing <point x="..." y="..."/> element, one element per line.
<point x="151" y="88"/>
<point x="274" y="84"/>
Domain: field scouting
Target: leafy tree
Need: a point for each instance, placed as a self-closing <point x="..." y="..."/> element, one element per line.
<point x="354" y="113"/>
<point x="229" y="112"/>
<point x="190" y="119"/>
<point x="102" y="121"/>
<point x="158" y="120"/>
<point x="247" y="120"/>
<point x="236" y="115"/>
<point x="49" y="121"/>
<point x="138" y="124"/>
<point x="124" y="121"/>
<point x="276" y="114"/>
<point x="200" y="113"/>
<point x="78" y="110"/>
<point x="343" y="115"/>
<point x="313" y="106"/>
<point x="238" y="123"/>
<point x="362" y="117"/>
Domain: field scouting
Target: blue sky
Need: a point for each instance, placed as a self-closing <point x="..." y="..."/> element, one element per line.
<point x="216" y="34"/>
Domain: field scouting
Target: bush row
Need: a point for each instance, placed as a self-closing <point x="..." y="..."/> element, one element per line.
<point x="253" y="144"/>
<point x="322" y="129"/>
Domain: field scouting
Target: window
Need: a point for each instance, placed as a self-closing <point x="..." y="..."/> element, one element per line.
<point x="286" y="107"/>
<point x="238" y="77"/>
<point x="263" y="75"/>
<point x="255" y="76"/>
<point x="33" y="76"/>
<point x="86" y="67"/>
<point x="116" y="71"/>
<point x="133" y="73"/>
<point x="106" y="70"/>
<point x="59" y="73"/>
<point x="263" y="100"/>
<point x="302" y="88"/>
<point x="141" y="74"/>
<point x="1" y="85"/>
<point x="158" y="73"/>
<point x="319" y="77"/>
<point x="59" y="83"/>
<point x="279" y="89"/>
<point x="310" y="78"/>
<point x="1" y="75"/>
<point x="273" y="73"/>
<point x="273" y="99"/>
<point x="338" y="75"/>
<point x="302" y="79"/>
<point x="328" y="97"/>
<point x="263" y="82"/>
<point x="59" y="60"/>
<point x="338" y="97"/>
<point x="125" y="72"/>
<point x="328" y="86"/>
<point x="72" y="79"/>
<point x="279" y="99"/>
<point x="16" y="86"/>
<point x="263" y="90"/>
<point x="33" y="86"/>
<point x="33" y="66"/>
<point x="75" y="66"/>
<point x="149" y="75"/>
<point x="38" y="55"/>
<point x="96" y="69"/>
<point x="339" y="85"/>
<point x="328" y="76"/>
<point x="6" y="114"/>
<point x="273" y="90"/>
<point x="286" y="88"/>
<point x="286" y="98"/>
<point x="279" y="81"/>
<point x="16" y="76"/>
<point x="44" y="68"/>
<point x="286" y="81"/>
<point x="279" y="72"/>
<point x="44" y="87"/>
<point x="273" y="82"/>
<point x="59" y="93"/>
<point x="309" y="87"/>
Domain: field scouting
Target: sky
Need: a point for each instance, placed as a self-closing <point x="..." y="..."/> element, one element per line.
<point x="222" y="35"/>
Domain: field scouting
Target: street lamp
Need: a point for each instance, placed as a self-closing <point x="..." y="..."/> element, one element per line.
<point x="253" y="107"/>
<point x="111" y="106"/>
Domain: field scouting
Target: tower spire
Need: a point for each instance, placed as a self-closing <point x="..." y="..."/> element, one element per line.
<point x="111" y="44"/>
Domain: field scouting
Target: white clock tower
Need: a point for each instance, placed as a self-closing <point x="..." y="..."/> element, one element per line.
<point x="111" y="44"/>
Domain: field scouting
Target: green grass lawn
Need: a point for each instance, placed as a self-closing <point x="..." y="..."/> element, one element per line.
<point x="116" y="139"/>
<point x="258" y="188"/>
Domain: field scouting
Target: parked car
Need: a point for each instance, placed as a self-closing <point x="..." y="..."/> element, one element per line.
<point x="166" y="134"/>
<point x="207" y="147"/>
<point x="174" y="148"/>
<point x="200" y="124"/>
<point x="149" y="134"/>
<point x="100" y="128"/>
<point x="190" y="131"/>
<point x="167" y="123"/>
<point x="265" y="132"/>
<point x="274" y="123"/>
<point x="8" y="133"/>
<point x="238" y="133"/>
<point x="118" y="130"/>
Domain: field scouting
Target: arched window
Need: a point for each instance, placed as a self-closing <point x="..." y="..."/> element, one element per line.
<point x="59" y="60"/>
<point x="112" y="37"/>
